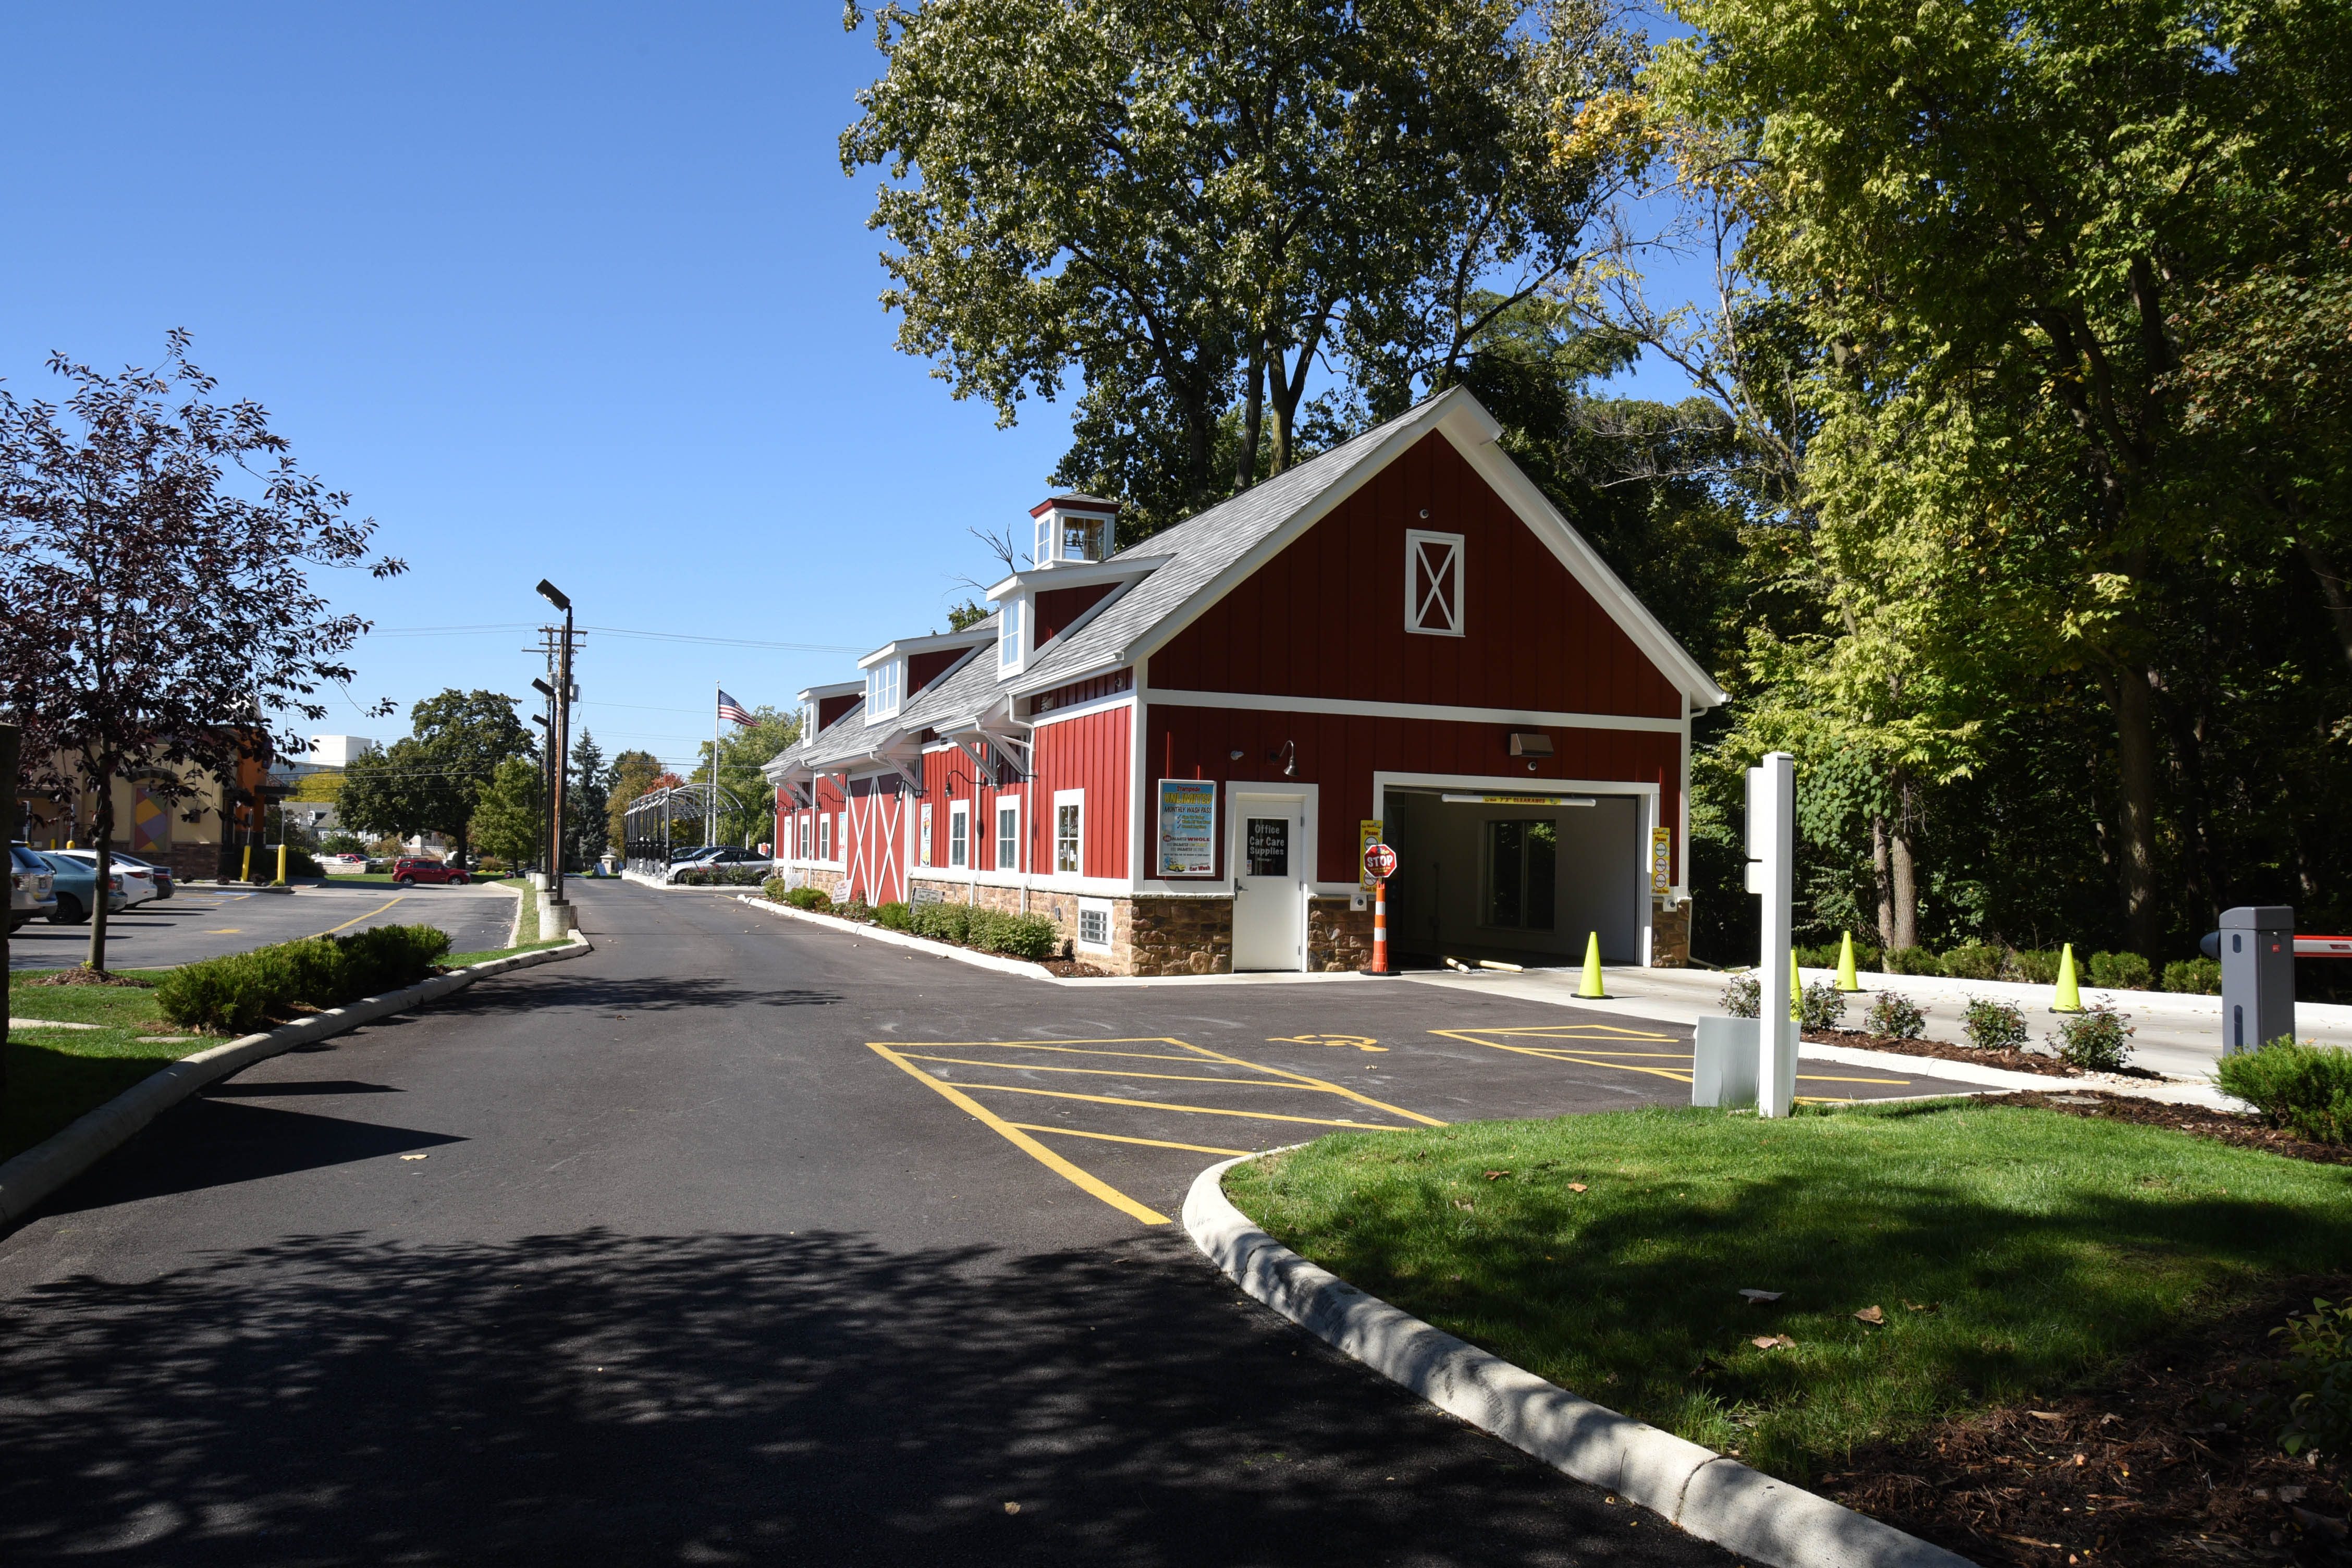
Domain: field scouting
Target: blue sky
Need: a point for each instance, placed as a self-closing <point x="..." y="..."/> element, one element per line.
<point x="572" y="292"/>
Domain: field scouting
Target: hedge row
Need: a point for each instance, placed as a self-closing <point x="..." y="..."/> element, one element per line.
<point x="1033" y="937"/>
<point x="237" y="993"/>
<point x="2306" y="1089"/>
<point x="2034" y="966"/>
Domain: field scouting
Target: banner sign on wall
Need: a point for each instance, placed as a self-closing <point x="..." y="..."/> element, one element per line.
<point x="1188" y="828"/>
<point x="1662" y="861"/>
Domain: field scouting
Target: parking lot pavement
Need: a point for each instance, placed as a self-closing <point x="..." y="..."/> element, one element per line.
<point x="204" y="922"/>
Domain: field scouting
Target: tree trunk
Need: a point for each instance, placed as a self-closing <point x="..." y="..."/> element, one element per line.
<point x="1252" y="424"/>
<point x="2331" y="589"/>
<point x="1289" y="388"/>
<point x="105" y="846"/>
<point x="1882" y="863"/>
<point x="1903" y="862"/>
<point x="2135" y="759"/>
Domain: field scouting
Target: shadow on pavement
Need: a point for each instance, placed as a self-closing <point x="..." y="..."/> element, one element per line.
<point x="592" y="1397"/>
<point x="240" y="1144"/>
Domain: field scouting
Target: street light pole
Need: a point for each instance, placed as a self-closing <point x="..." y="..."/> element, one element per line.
<point x="562" y="712"/>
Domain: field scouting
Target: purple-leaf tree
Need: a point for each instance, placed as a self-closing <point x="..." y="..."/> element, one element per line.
<point x="155" y="558"/>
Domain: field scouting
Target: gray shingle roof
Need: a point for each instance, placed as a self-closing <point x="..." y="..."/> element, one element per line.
<point x="965" y="690"/>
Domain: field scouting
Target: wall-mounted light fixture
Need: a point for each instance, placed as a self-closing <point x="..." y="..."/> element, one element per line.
<point x="1287" y="755"/>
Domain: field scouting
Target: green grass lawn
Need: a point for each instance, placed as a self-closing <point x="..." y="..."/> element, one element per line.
<point x="56" y="1075"/>
<point x="2011" y="1252"/>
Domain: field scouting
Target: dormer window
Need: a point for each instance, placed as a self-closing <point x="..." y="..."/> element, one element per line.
<point x="884" y="683"/>
<point x="808" y="720"/>
<point x="1009" y="622"/>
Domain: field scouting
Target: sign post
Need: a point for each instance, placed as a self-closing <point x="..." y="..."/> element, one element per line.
<point x="1771" y="854"/>
<point x="1380" y="865"/>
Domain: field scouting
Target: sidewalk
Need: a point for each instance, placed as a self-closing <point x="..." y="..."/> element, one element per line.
<point x="2179" y="1037"/>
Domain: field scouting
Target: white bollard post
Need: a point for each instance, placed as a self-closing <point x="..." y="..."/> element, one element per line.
<point x="1771" y="874"/>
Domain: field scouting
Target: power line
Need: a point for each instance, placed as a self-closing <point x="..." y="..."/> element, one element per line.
<point x="487" y="628"/>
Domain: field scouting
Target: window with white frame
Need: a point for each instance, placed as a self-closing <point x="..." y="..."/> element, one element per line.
<point x="1069" y="832"/>
<point x="960" y="834"/>
<point x="1432" y="583"/>
<point x="923" y="838"/>
<point x="823" y="835"/>
<point x="1094" y="924"/>
<point x="1008" y="635"/>
<point x="840" y="835"/>
<point x="1008" y="836"/>
<point x="808" y="720"/>
<point x="804" y="836"/>
<point x="882" y="688"/>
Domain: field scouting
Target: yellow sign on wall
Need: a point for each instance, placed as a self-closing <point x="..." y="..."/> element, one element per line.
<point x="1367" y="833"/>
<point x="1662" y="860"/>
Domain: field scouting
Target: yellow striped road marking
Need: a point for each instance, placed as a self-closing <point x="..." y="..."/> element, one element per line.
<point x="1104" y="1072"/>
<point x="1082" y="1180"/>
<point x="1565" y="1053"/>
<point x="1198" y="1053"/>
<point x="1673" y="1075"/>
<point x="1166" y="1105"/>
<point x="356" y="919"/>
<point x="1117" y="1138"/>
<point x="1323" y="1084"/>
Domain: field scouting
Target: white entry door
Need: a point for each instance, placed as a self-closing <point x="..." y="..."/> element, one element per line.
<point x="1270" y="856"/>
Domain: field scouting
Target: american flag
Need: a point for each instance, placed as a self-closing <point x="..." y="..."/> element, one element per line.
<point x="731" y="709"/>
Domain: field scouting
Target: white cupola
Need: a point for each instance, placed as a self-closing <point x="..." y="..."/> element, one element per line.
<point x="1074" y="528"/>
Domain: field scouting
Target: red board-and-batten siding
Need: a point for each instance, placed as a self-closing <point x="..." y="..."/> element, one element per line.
<point x="1090" y="752"/>
<point x="1324" y="619"/>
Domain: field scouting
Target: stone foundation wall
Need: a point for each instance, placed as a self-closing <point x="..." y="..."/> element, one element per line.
<point x="1670" y="929"/>
<point x="1338" y="939"/>
<point x="1180" y="936"/>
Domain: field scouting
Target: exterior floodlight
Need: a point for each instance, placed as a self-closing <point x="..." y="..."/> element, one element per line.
<point x="553" y="595"/>
<point x="544" y="689"/>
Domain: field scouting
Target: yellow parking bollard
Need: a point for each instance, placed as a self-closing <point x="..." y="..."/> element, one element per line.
<point x="282" y="868"/>
<point x="248" y="876"/>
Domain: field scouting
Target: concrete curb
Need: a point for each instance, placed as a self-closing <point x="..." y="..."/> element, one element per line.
<point x="1695" y="1488"/>
<point x="997" y="961"/>
<point x="33" y="1175"/>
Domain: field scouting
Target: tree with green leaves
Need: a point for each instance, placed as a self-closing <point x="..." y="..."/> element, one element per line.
<point x="1193" y="204"/>
<point x="747" y="805"/>
<point x="509" y="813"/>
<point x="588" y="809"/>
<point x="2007" y="231"/>
<point x="431" y="780"/>
<point x="631" y="776"/>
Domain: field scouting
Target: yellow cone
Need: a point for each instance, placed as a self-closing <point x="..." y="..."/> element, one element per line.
<point x="1796" y="989"/>
<point x="2070" y="997"/>
<point x="1847" y="979"/>
<point x="1592" y="987"/>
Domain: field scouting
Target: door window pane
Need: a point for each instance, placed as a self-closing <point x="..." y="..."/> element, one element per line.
<point x="1269" y="846"/>
<point x="1523" y="858"/>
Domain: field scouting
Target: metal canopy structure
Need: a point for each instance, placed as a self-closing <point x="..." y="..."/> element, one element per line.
<point x="649" y="825"/>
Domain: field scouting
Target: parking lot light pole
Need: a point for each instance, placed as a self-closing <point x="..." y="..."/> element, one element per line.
<point x="555" y="595"/>
<point x="547" y="723"/>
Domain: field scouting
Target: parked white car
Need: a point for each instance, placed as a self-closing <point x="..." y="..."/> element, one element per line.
<point x="343" y="864"/>
<point x="138" y="876"/>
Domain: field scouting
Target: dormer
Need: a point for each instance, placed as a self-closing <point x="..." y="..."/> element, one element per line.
<point x="1035" y="606"/>
<point x="821" y="705"/>
<point x="1074" y="528"/>
<point x="897" y="671"/>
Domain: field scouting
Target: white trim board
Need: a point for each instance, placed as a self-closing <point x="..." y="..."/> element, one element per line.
<point x="1262" y="702"/>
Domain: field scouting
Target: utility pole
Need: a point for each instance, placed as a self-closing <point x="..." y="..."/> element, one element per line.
<point x="561" y="711"/>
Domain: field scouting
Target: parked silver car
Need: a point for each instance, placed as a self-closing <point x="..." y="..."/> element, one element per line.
<point x="32" y="887"/>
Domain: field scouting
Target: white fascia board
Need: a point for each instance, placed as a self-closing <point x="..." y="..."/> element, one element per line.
<point x="971" y="637"/>
<point x="1157" y="635"/>
<point x="1351" y="707"/>
<point x="1082" y="575"/>
<point x="1584" y="563"/>
<point x="838" y="689"/>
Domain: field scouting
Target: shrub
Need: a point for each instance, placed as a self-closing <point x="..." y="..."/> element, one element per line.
<point x="890" y="917"/>
<point x="1743" y="996"/>
<point x="303" y="863"/>
<point x="1824" y="956"/>
<point x="2318" y="1368"/>
<point x="1895" y="1015"/>
<point x="1033" y="937"/>
<point x="2034" y="966"/>
<point x="2194" y="976"/>
<point x="2097" y="1039"/>
<point x="1911" y="961"/>
<point x="1994" y="1025"/>
<point x="2306" y="1089"/>
<point x="774" y="889"/>
<point x="1822" y="1006"/>
<point x="857" y="910"/>
<point x="1975" y="961"/>
<point x="812" y="899"/>
<point x="239" y="991"/>
<point x="2119" y="970"/>
<point x="941" y="921"/>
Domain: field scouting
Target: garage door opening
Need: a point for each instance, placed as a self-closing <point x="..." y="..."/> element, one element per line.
<point x="1519" y="879"/>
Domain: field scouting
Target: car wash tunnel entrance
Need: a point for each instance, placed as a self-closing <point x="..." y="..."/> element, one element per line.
<point x="1517" y="878"/>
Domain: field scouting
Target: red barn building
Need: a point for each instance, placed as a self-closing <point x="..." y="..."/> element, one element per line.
<point x="1177" y="750"/>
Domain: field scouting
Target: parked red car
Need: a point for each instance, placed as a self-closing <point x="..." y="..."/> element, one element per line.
<point x="407" y="872"/>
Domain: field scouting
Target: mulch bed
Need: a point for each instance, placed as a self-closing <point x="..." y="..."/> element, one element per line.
<point x="2159" y="1463"/>
<point x="2013" y="1059"/>
<point x="83" y="976"/>
<point x="2222" y="1126"/>
<point x="1073" y="969"/>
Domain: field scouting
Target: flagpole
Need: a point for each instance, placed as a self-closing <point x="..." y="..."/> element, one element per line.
<point x="716" y="719"/>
